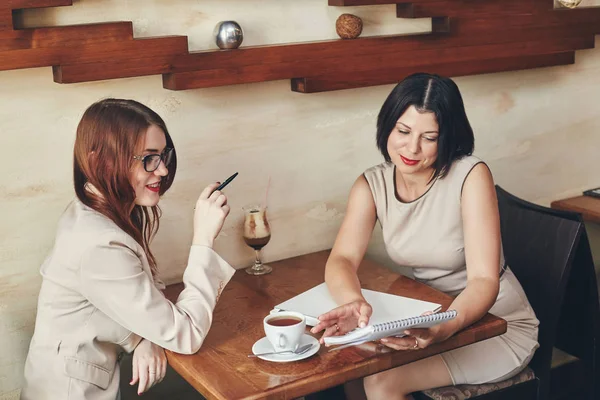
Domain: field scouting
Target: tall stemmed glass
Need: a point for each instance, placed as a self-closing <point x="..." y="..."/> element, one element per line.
<point x="257" y="234"/>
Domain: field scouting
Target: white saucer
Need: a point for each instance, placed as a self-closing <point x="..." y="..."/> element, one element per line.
<point x="264" y="346"/>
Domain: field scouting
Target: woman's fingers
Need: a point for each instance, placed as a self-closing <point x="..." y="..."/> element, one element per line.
<point x="149" y="365"/>
<point x="419" y="333"/>
<point x="153" y="368"/>
<point x="220" y="200"/>
<point x="403" y="343"/>
<point x="147" y="374"/>
<point x="393" y="345"/>
<point x="330" y="328"/>
<point x="410" y="342"/>
<point x="329" y="331"/>
<point x="320" y="326"/>
<point x="152" y="379"/>
<point x="144" y="376"/>
<point x="209" y="190"/>
<point x="225" y="209"/>
<point x="365" y="312"/>
<point x="336" y="313"/>
<point x="163" y="370"/>
<point x="134" y="373"/>
<point x="215" y="195"/>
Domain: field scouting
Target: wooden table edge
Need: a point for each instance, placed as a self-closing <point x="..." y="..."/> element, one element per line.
<point x="364" y="368"/>
<point x="496" y="327"/>
<point x="573" y="204"/>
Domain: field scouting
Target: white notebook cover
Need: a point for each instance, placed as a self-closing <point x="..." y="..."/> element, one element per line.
<point x="386" y="307"/>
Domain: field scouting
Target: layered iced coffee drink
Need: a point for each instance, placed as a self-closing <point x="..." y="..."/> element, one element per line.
<point x="257" y="234"/>
<point x="256" y="228"/>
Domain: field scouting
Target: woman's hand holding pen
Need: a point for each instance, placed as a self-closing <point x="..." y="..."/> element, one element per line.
<point x="209" y="216"/>
<point x="344" y="318"/>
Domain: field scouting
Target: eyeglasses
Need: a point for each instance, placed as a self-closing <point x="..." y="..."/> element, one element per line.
<point x="152" y="161"/>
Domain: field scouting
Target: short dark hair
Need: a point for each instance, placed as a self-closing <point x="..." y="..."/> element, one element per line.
<point x="436" y="94"/>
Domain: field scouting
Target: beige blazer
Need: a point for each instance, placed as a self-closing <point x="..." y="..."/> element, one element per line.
<point x="98" y="299"/>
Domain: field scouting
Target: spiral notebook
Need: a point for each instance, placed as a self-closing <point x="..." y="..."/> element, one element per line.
<point x="391" y="328"/>
<point x="386" y="307"/>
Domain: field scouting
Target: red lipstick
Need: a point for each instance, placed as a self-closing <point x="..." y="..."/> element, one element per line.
<point x="154" y="189"/>
<point x="408" y="161"/>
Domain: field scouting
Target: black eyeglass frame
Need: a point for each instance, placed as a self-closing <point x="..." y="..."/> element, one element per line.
<point x="165" y="158"/>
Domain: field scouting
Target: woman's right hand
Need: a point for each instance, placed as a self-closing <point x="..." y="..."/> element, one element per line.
<point x="209" y="216"/>
<point x="343" y="319"/>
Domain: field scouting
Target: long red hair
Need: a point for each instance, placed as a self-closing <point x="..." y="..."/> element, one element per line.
<point x="109" y="134"/>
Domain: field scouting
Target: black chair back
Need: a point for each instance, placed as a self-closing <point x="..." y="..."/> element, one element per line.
<point x="579" y="324"/>
<point x="539" y="247"/>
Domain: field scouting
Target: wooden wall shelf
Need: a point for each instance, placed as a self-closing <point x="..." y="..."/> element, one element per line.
<point x="468" y="37"/>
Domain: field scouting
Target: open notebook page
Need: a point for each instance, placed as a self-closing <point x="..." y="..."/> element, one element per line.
<point x="386" y="307"/>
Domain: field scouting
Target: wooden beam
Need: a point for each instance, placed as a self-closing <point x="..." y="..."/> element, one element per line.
<point x="337" y="50"/>
<point x="352" y="63"/>
<point x="18" y="4"/>
<point x="390" y="76"/>
<point x="544" y="5"/>
<point x="464" y="9"/>
<point x="6" y="22"/>
<point x="96" y="53"/>
<point x="125" y="68"/>
<point x="343" y="3"/>
<point x="14" y="44"/>
<point x="469" y="36"/>
<point x="589" y="21"/>
<point x="285" y="53"/>
<point x="81" y="35"/>
<point x="511" y="8"/>
<point x="66" y="36"/>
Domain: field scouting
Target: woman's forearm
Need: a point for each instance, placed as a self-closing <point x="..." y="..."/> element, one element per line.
<point x="471" y="304"/>
<point x="342" y="281"/>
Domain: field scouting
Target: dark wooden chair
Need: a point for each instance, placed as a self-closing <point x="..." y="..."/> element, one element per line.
<point x="576" y="355"/>
<point x="546" y="250"/>
<point x="578" y="377"/>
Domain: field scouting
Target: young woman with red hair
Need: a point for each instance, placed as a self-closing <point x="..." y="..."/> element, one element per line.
<point x="100" y="294"/>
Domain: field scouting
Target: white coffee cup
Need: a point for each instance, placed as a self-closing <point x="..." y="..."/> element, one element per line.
<point x="284" y="329"/>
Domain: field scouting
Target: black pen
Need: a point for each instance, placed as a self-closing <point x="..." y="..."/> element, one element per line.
<point x="222" y="185"/>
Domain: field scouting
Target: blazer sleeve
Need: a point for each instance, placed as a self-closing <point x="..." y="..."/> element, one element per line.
<point x="114" y="280"/>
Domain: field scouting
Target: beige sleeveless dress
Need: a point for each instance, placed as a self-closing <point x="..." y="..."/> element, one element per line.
<point x="427" y="235"/>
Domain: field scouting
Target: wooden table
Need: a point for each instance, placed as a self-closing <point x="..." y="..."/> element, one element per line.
<point x="588" y="206"/>
<point x="222" y="370"/>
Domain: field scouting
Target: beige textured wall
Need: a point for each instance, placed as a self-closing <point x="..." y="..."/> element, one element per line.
<point x="537" y="129"/>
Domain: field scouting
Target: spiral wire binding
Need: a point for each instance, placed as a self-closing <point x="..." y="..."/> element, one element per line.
<point x="401" y="323"/>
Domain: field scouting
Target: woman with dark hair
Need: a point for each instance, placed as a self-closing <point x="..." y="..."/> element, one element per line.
<point x="100" y="293"/>
<point x="437" y="207"/>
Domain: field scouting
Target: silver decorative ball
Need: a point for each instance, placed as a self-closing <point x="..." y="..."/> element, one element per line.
<point x="229" y="35"/>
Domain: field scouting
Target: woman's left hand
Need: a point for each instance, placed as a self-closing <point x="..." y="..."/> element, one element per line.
<point x="149" y="365"/>
<point x="415" y="339"/>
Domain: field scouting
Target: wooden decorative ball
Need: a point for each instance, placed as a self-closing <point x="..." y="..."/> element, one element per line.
<point x="348" y="26"/>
